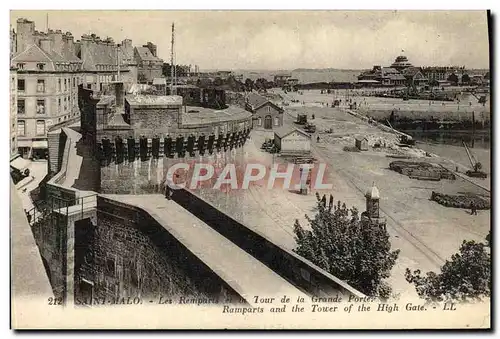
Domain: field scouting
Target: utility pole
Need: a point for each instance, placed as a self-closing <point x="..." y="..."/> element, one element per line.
<point x="47" y="22"/>
<point x="118" y="62"/>
<point x="172" y="66"/>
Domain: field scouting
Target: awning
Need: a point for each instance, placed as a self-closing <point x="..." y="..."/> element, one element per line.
<point x="19" y="163"/>
<point x="24" y="143"/>
<point x="40" y="144"/>
<point x="159" y="81"/>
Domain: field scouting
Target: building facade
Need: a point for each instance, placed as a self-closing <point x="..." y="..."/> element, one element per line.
<point x="281" y="80"/>
<point x="13" y="112"/>
<point x="292" y="141"/>
<point x="48" y="74"/>
<point x="149" y="66"/>
<point x="441" y="73"/>
<point x="266" y="115"/>
<point x="100" y="60"/>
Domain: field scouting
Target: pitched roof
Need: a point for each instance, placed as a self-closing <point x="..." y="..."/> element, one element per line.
<point x="67" y="55"/>
<point x="411" y="72"/>
<point x="282" y="132"/>
<point x="145" y="54"/>
<point x="389" y="70"/>
<point x="32" y="54"/>
<point x="255" y="101"/>
<point x="373" y="192"/>
<point x="98" y="54"/>
<point x="35" y="54"/>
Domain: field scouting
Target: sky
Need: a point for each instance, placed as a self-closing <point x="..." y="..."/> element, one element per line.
<point x="271" y="40"/>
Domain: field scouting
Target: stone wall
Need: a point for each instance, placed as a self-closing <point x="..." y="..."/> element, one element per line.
<point x="50" y="236"/>
<point x="137" y="176"/>
<point x="151" y="121"/>
<point x="290" y="266"/>
<point x="129" y="254"/>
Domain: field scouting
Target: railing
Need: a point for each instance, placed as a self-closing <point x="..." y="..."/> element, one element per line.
<point x="62" y="206"/>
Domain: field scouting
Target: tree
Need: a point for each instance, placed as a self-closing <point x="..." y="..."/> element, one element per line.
<point x="261" y="83"/>
<point x="465" y="79"/>
<point x="218" y="82"/>
<point x="354" y="251"/>
<point x="453" y="78"/>
<point x="249" y="84"/>
<point x="466" y="277"/>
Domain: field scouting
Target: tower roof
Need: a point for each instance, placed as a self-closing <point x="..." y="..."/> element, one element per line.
<point x="373" y="192"/>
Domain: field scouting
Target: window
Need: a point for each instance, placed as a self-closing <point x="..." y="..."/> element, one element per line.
<point x="59" y="105"/>
<point x="21" y="128"/>
<point x="40" y="127"/>
<point x="21" y="106"/>
<point x="89" y="86"/>
<point x="65" y="104"/>
<point x="259" y="122"/>
<point x="276" y="121"/>
<point x="40" y="107"/>
<point x="59" y="85"/>
<point x="74" y="82"/>
<point x="20" y="66"/>
<point x="40" y="67"/>
<point x="20" y="84"/>
<point x="40" y="85"/>
<point x="269" y="108"/>
<point x="65" y="85"/>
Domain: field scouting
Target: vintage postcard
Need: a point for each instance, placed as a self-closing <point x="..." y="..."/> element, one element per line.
<point x="250" y="169"/>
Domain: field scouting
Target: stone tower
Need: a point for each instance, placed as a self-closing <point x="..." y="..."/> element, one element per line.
<point x="372" y="213"/>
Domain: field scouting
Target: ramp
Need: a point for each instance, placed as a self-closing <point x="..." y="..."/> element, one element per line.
<point x="245" y="274"/>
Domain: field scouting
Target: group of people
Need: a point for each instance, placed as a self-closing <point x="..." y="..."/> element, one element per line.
<point x="330" y="201"/>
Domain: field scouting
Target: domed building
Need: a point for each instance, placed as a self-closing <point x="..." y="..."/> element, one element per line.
<point x="401" y="63"/>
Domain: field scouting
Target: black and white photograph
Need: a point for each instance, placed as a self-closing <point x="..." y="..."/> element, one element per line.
<point x="272" y="169"/>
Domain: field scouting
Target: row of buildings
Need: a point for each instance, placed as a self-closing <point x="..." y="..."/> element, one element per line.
<point x="46" y="69"/>
<point x="402" y="73"/>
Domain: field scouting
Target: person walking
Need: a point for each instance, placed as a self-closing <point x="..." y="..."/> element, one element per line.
<point x="330" y="203"/>
<point x="473" y="209"/>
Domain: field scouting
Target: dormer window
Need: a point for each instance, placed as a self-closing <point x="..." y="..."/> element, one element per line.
<point x="40" y="67"/>
<point x="20" y="66"/>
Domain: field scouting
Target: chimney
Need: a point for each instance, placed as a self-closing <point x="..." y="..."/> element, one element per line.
<point x="57" y="40"/>
<point x="69" y="44"/>
<point x="46" y="45"/>
<point x="25" y="34"/>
